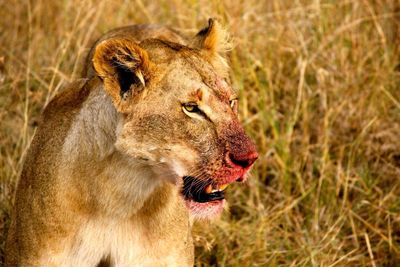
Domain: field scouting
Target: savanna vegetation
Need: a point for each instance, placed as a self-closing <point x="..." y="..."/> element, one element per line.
<point x="319" y="92"/>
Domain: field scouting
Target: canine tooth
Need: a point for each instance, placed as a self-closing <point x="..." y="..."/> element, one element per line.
<point x="222" y="187"/>
<point x="209" y="189"/>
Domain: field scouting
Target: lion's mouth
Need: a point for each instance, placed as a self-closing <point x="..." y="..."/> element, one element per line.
<point x="202" y="191"/>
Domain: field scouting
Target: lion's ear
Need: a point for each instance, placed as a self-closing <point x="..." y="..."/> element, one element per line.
<point x="214" y="41"/>
<point x="124" y="68"/>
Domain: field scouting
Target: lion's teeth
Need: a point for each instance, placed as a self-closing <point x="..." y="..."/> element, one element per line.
<point x="216" y="188"/>
<point x="209" y="189"/>
<point x="222" y="187"/>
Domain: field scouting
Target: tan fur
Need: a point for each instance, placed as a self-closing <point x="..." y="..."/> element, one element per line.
<point x="102" y="179"/>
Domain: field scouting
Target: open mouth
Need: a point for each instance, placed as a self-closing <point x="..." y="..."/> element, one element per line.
<point x="202" y="191"/>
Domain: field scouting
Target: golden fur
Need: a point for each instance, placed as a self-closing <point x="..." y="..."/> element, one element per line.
<point x="102" y="179"/>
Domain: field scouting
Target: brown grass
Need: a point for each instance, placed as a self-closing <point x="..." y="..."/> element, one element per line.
<point x="319" y="83"/>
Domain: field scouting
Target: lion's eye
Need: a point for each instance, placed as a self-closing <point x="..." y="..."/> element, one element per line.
<point x="191" y="108"/>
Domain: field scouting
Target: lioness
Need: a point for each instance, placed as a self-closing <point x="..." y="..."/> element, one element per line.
<point x="125" y="157"/>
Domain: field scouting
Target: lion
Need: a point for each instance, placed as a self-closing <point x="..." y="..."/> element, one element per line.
<point x="127" y="157"/>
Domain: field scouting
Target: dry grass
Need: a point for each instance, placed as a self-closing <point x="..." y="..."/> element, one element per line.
<point x="319" y="90"/>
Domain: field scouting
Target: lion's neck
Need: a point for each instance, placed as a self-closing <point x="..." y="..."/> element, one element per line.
<point x="92" y="133"/>
<point x="107" y="179"/>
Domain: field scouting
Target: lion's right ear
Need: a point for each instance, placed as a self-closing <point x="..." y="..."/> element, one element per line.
<point x="124" y="68"/>
<point x="214" y="42"/>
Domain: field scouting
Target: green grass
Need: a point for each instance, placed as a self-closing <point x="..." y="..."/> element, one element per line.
<point x="319" y="93"/>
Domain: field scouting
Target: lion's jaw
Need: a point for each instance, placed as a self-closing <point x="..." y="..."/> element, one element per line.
<point x="202" y="178"/>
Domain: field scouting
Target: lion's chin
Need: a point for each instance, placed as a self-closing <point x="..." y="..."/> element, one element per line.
<point x="205" y="211"/>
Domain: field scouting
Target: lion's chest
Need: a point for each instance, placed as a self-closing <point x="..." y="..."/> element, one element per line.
<point x="126" y="244"/>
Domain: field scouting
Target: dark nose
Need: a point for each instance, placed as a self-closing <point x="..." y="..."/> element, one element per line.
<point x="243" y="160"/>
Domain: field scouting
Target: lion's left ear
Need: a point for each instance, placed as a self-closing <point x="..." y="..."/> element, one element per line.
<point x="214" y="42"/>
<point x="124" y="68"/>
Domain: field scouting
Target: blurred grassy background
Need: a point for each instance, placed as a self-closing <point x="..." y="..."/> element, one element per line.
<point x="319" y="87"/>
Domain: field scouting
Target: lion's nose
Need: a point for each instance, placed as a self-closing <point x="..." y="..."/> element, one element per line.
<point x="243" y="160"/>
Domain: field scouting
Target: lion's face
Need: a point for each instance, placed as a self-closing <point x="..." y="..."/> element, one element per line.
<point x="179" y="115"/>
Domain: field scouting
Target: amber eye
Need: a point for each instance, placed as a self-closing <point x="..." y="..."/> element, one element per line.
<point x="190" y="107"/>
<point x="193" y="110"/>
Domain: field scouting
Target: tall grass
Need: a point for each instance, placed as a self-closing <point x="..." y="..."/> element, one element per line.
<point x="319" y="92"/>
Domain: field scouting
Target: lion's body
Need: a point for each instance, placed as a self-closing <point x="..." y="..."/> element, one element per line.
<point x="86" y="220"/>
<point x="95" y="188"/>
<point x="67" y="149"/>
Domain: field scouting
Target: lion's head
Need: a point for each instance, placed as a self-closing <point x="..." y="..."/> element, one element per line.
<point x="179" y="112"/>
